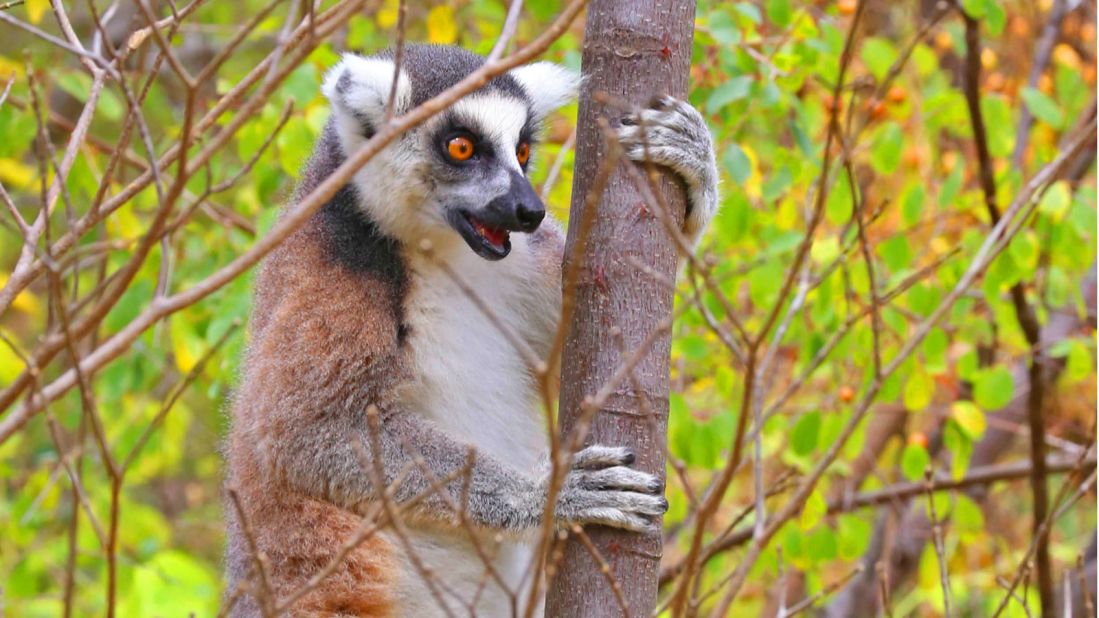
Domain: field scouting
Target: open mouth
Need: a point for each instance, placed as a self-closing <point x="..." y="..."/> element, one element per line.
<point x="491" y="243"/>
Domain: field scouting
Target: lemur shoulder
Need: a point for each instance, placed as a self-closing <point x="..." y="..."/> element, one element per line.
<point x="351" y="316"/>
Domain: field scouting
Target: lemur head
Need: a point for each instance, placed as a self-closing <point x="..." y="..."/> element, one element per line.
<point x="464" y="172"/>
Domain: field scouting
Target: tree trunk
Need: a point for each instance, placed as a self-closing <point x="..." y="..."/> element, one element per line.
<point x="632" y="51"/>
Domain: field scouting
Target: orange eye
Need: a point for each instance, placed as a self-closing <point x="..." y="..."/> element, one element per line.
<point x="523" y="153"/>
<point x="460" y="148"/>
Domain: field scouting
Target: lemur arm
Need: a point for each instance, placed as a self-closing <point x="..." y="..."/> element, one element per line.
<point x="330" y="462"/>
<point x="315" y="370"/>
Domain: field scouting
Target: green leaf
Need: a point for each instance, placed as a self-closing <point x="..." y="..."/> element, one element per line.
<point x="1079" y="364"/>
<point x="967" y="365"/>
<point x="732" y="90"/>
<point x="878" y="54"/>
<point x="779" y="12"/>
<point x="966" y="517"/>
<point x="950" y="187"/>
<point x="822" y="545"/>
<point x="1056" y="200"/>
<point x="998" y="121"/>
<point x="693" y="347"/>
<point x="764" y="283"/>
<point x="974" y="8"/>
<point x="735" y="217"/>
<point x="995" y="17"/>
<point x="914" y="461"/>
<point x="993" y="388"/>
<point x="969" y="417"/>
<point x="896" y="253"/>
<point x="886" y="152"/>
<point x="724" y="29"/>
<point x="825" y="250"/>
<point x="737" y="163"/>
<point x="1043" y="107"/>
<point x="803" y="438"/>
<point x="934" y="350"/>
<point x="960" y="447"/>
<point x="777" y="184"/>
<point x="294" y="145"/>
<point x="749" y="11"/>
<point x="854" y="536"/>
<point x="793" y="545"/>
<point x="840" y="204"/>
<point x="912" y="203"/>
<point x="918" y="391"/>
<point x="79" y="85"/>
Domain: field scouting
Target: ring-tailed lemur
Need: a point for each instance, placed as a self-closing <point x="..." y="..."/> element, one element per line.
<point x="350" y="316"/>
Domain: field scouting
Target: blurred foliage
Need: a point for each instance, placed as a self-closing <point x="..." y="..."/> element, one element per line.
<point x="762" y="73"/>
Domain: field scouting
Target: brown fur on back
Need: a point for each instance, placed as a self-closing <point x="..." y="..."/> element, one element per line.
<point x="326" y="340"/>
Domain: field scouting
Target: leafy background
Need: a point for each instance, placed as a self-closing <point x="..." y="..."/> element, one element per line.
<point x="762" y="73"/>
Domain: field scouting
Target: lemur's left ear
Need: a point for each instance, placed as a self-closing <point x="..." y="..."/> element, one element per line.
<point x="548" y="85"/>
<point x="359" y="89"/>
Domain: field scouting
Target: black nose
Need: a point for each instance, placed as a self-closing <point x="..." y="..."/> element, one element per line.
<point x="529" y="216"/>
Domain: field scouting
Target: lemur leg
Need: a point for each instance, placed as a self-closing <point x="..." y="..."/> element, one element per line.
<point x="672" y="133"/>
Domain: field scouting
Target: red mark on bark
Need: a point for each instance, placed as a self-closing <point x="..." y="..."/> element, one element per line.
<point x="601" y="278"/>
<point x="667" y="47"/>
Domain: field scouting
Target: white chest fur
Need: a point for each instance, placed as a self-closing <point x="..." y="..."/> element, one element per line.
<point x="474" y="385"/>
<point x="470" y="380"/>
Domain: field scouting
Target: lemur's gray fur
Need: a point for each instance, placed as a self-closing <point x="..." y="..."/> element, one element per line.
<point x="351" y="316"/>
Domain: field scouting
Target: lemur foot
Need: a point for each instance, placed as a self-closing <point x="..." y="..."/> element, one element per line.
<point x="601" y="489"/>
<point x="672" y="133"/>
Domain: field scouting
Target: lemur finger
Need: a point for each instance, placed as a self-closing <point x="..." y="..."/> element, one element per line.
<point x="614" y="518"/>
<point x="664" y="155"/>
<point x="597" y="456"/>
<point x="621" y="478"/>
<point x="652" y="134"/>
<point x="663" y="101"/>
<point x="631" y="501"/>
<point x="676" y="115"/>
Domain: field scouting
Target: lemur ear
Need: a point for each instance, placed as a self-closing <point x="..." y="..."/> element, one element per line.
<point x="548" y="85"/>
<point x="359" y="90"/>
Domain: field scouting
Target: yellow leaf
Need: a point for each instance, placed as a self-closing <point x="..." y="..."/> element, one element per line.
<point x="10" y="363"/>
<point x="754" y="184"/>
<point x="36" y="9"/>
<point x="9" y="67"/>
<point x="387" y="15"/>
<point x="440" y="25"/>
<point x="183" y="350"/>
<point x="26" y="302"/>
<point x="1065" y="55"/>
<point x="16" y="173"/>
<point x="969" y="417"/>
<point x="815" y="508"/>
<point x="124" y="224"/>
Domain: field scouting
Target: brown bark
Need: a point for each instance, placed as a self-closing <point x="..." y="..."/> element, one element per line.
<point x="632" y="51"/>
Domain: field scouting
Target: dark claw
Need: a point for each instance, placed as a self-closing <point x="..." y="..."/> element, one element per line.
<point x="664" y="504"/>
<point x="657" y="486"/>
<point x="627" y="121"/>
<point x="661" y="102"/>
<point x="629" y="458"/>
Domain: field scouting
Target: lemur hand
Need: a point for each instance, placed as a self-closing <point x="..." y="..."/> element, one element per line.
<point x="601" y="489"/>
<point x="672" y="133"/>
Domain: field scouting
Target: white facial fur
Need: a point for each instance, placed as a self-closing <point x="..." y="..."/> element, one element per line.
<point x="396" y="185"/>
<point x="498" y="119"/>
<point x="548" y="85"/>
<point x="363" y="95"/>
